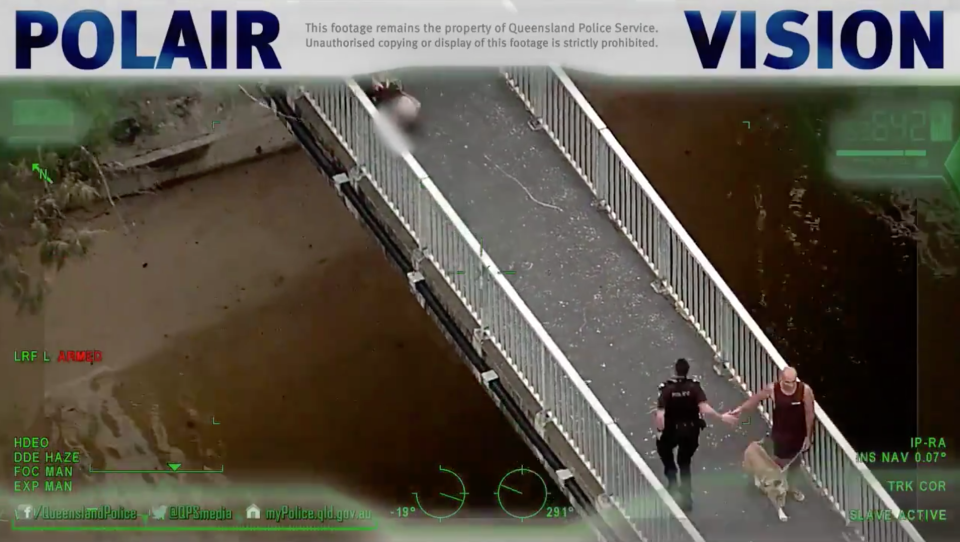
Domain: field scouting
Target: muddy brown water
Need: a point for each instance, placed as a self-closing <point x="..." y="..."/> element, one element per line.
<point x="252" y="298"/>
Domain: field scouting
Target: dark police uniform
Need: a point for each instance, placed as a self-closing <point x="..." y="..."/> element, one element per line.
<point x="680" y="400"/>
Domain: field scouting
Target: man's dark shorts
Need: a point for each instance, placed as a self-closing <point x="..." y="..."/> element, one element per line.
<point x="786" y="449"/>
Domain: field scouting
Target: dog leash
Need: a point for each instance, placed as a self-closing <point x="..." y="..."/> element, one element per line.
<point x="792" y="461"/>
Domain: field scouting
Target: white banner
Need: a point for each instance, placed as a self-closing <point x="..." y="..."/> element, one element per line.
<point x="908" y="42"/>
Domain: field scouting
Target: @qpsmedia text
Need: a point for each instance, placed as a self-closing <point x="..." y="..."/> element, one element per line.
<point x="331" y="514"/>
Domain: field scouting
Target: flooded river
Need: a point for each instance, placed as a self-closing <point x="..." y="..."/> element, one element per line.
<point x="248" y="324"/>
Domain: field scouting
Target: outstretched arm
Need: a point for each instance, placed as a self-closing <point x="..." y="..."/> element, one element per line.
<point x="808" y="407"/>
<point x="755" y="399"/>
<point x="707" y="410"/>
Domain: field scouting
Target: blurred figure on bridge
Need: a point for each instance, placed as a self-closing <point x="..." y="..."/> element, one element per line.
<point x="681" y="406"/>
<point x="793" y="417"/>
<point x="387" y="94"/>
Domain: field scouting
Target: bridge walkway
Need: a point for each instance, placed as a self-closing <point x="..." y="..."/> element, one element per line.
<point x="592" y="291"/>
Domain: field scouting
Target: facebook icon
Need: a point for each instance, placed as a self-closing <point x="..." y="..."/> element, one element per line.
<point x="25" y="511"/>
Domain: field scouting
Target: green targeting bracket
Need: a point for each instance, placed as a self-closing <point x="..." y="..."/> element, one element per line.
<point x="173" y="467"/>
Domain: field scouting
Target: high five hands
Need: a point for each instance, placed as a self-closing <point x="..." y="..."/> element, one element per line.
<point x="731" y="418"/>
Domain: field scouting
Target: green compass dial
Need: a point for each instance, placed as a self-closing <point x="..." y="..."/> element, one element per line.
<point x="518" y="489"/>
<point x="451" y="501"/>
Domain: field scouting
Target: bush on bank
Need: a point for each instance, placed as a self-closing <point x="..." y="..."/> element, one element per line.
<point x="50" y="138"/>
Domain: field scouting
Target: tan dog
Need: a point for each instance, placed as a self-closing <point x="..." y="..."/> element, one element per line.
<point x="767" y="476"/>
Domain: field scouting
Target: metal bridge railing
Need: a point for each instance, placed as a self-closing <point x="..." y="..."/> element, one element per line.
<point x="505" y="319"/>
<point x="688" y="277"/>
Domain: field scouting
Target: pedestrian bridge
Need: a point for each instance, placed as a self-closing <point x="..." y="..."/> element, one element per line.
<point x="581" y="289"/>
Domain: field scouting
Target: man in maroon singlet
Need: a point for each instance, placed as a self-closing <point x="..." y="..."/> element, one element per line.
<point x="793" y="417"/>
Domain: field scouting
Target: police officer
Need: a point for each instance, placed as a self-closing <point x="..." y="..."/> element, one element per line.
<point x="680" y="410"/>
